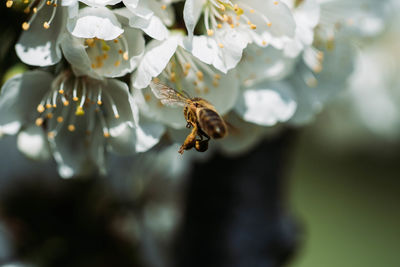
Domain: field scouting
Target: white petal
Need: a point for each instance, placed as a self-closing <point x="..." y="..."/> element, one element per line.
<point x="32" y="142"/>
<point x="39" y="46"/>
<point x="139" y="9"/>
<point x="155" y="59"/>
<point x="267" y="103"/>
<point x="75" y="53"/>
<point x="99" y="22"/>
<point x="122" y="129"/>
<point x="191" y="14"/>
<point x="152" y="27"/>
<point x="148" y="134"/>
<point x="100" y="3"/>
<point x="20" y="97"/>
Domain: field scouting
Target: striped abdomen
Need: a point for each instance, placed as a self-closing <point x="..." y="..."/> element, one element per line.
<point x="211" y="123"/>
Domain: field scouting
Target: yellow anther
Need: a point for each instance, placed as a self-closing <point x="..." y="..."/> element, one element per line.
<point x="106" y="134"/>
<point x="269" y="24"/>
<point x="99" y="102"/>
<point x="276" y="2"/>
<point x="93" y="65"/>
<point x="125" y="56"/>
<point x="215" y="83"/>
<point x="232" y="25"/>
<point x="187" y="65"/>
<point x="210" y="32"/>
<point x="252" y="11"/>
<point x="120" y="51"/>
<point x="71" y="127"/>
<point x="25" y="26"/>
<point x="9" y="3"/>
<point x="75" y="98"/>
<point x="225" y="17"/>
<point x="105" y="46"/>
<point x="156" y="80"/>
<point x="264" y="43"/>
<point x="253" y="26"/>
<point x="60" y="119"/>
<point x="51" y="134"/>
<point x="46" y="25"/>
<point x="200" y="75"/>
<point x="172" y="77"/>
<point x="116" y="41"/>
<point x="54" y="105"/>
<point x="221" y="45"/>
<point x="236" y="7"/>
<point x="117" y="63"/>
<point x="26" y="1"/>
<point x="54" y="5"/>
<point x="79" y="111"/>
<point x="48" y="3"/>
<point x="39" y="121"/>
<point x="27" y="10"/>
<point x="317" y="69"/>
<point x="147" y="97"/>
<point x="219" y="25"/>
<point x="61" y="91"/>
<point x="222" y="7"/>
<point x="217" y="76"/>
<point x="90" y="42"/>
<point x="66" y="103"/>
<point x="49" y="115"/>
<point x="105" y="56"/>
<point x="34" y="10"/>
<point x="40" y="108"/>
<point x="163" y="7"/>
<point x="320" y="56"/>
<point x="239" y="11"/>
<point x="116" y="116"/>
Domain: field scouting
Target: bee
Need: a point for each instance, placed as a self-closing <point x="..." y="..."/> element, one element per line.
<point x="199" y="114"/>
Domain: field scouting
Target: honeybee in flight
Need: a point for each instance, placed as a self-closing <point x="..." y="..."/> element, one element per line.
<point x="199" y="114"/>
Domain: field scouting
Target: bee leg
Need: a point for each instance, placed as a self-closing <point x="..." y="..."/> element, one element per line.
<point x="188" y="125"/>
<point x="189" y="142"/>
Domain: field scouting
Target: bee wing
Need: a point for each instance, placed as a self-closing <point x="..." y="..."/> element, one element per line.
<point x="167" y="95"/>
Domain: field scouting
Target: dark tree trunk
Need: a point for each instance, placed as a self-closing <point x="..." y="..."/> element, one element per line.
<point x="235" y="210"/>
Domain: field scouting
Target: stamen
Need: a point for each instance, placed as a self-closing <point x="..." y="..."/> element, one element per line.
<point x="113" y="106"/>
<point x="9" y="3"/>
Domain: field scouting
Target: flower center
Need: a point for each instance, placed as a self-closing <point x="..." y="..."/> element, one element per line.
<point x="103" y="52"/>
<point x="72" y="97"/>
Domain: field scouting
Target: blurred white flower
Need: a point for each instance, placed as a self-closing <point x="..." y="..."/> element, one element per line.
<point x="80" y="116"/>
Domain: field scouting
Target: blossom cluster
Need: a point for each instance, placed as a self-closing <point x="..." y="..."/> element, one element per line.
<point x="261" y="63"/>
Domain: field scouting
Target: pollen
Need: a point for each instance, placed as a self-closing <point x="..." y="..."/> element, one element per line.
<point x="61" y="91"/>
<point x="71" y="127"/>
<point x="60" y="119"/>
<point x="125" y="56"/>
<point x="25" y="26"/>
<point x="75" y="98"/>
<point x="269" y="24"/>
<point x="48" y="3"/>
<point x="116" y="116"/>
<point x="46" y="25"/>
<point x="40" y="108"/>
<point x="253" y="26"/>
<point x="219" y="25"/>
<point x="48" y="106"/>
<point x="66" y="103"/>
<point x="116" y="41"/>
<point x="79" y="111"/>
<point x="210" y="32"/>
<point x="9" y="3"/>
<point x="99" y="102"/>
<point x="200" y="75"/>
<point x="39" y="121"/>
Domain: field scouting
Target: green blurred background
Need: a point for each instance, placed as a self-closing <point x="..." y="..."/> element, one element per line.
<point x="346" y="197"/>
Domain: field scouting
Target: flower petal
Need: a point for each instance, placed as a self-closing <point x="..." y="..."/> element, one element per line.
<point x="267" y="103"/>
<point x="39" y="46"/>
<point x="19" y="98"/>
<point x="152" y="26"/>
<point x="155" y="59"/>
<point x="100" y="3"/>
<point x="148" y="134"/>
<point x="32" y="142"/>
<point x="99" y="22"/>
